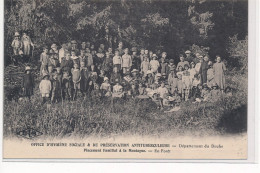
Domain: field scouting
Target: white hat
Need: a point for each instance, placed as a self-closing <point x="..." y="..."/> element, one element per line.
<point x="27" y="68"/>
<point x="187" y="51"/>
<point x="16" y="34"/>
<point x="134" y="70"/>
<point x="149" y="72"/>
<point x="74" y="57"/>
<point x="106" y="78"/>
<point x="158" y="75"/>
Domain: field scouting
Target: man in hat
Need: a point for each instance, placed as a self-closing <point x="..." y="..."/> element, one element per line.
<point x="16" y="44"/>
<point x="203" y="70"/>
<point x="74" y="47"/>
<point x="136" y="62"/>
<point x="28" y="83"/>
<point x="188" y="58"/>
<point x="27" y="43"/>
<point x="83" y="45"/>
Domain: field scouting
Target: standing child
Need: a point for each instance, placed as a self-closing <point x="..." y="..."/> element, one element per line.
<point x="219" y="69"/>
<point x="145" y="66"/>
<point x="44" y="58"/>
<point x="117" y="60"/>
<point x="164" y="67"/>
<point x="75" y="58"/>
<point x="107" y="65"/>
<point x="126" y="62"/>
<point x="142" y="55"/>
<point x="186" y="81"/>
<point x="67" y="85"/>
<point x="76" y="77"/>
<point x="56" y="89"/>
<point x="182" y="62"/>
<point x="172" y="81"/>
<point x="28" y="83"/>
<point x="154" y="64"/>
<point x="89" y="58"/>
<point x="84" y="73"/>
<point x="45" y="88"/>
<point x="210" y="75"/>
<point x="171" y="66"/>
<point x="180" y="86"/>
<point x="135" y="60"/>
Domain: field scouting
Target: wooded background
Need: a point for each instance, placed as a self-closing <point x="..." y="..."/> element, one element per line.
<point x="210" y="26"/>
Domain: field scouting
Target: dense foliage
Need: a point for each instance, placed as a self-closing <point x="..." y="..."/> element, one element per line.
<point x="169" y="25"/>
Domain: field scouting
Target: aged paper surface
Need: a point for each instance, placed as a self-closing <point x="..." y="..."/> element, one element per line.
<point x="125" y="79"/>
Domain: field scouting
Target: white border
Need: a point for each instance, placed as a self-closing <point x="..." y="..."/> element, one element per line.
<point x="253" y="102"/>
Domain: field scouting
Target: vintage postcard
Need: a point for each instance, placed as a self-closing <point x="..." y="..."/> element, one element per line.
<point x="119" y="79"/>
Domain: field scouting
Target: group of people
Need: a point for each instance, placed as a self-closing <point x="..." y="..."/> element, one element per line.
<point x="125" y="73"/>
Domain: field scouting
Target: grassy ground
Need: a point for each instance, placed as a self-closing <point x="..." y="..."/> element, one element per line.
<point x="100" y="118"/>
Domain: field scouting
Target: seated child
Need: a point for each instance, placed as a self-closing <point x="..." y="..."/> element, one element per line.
<point x="118" y="91"/>
<point x="105" y="88"/>
<point x="205" y="93"/>
<point x="215" y="93"/>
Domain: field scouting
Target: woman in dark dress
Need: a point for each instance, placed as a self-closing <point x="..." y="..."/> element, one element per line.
<point x="28" y="83"/>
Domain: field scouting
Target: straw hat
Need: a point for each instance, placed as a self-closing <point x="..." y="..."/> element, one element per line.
<point x="187" y="51"/>
<point x="73" y="42"/>
<point x="106" y="78"/>
<point x="16" y="34"/>
<point x="27" y="68"/>
<point x="54" y="46"/>
<point x="149" y="72"/>
<point x="158" y="75"/>
<point x="134" y="70"/>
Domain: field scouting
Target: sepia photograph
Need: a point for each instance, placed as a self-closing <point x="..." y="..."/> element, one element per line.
<point x="132" y="79"/>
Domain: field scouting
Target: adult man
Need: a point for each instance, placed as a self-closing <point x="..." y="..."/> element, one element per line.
<point x="16" y="44"/>
<point x="62" y="52"/>
<point x="27" y="43"/>
<point x="188" y="58"/>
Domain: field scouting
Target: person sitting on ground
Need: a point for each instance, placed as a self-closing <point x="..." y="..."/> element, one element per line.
<point x="205" y="92"/>
<point x="215" y="93"/>
<point x="115" y="77"/>
<point x="105" y="88"/>
<point x="118" y="91"/>
<point x="162" y="91"/>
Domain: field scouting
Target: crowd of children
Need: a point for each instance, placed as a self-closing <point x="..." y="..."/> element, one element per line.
<point x="124" y="73"/>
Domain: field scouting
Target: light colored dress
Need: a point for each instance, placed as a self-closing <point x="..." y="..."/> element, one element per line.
<point x="219" y="76"/>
